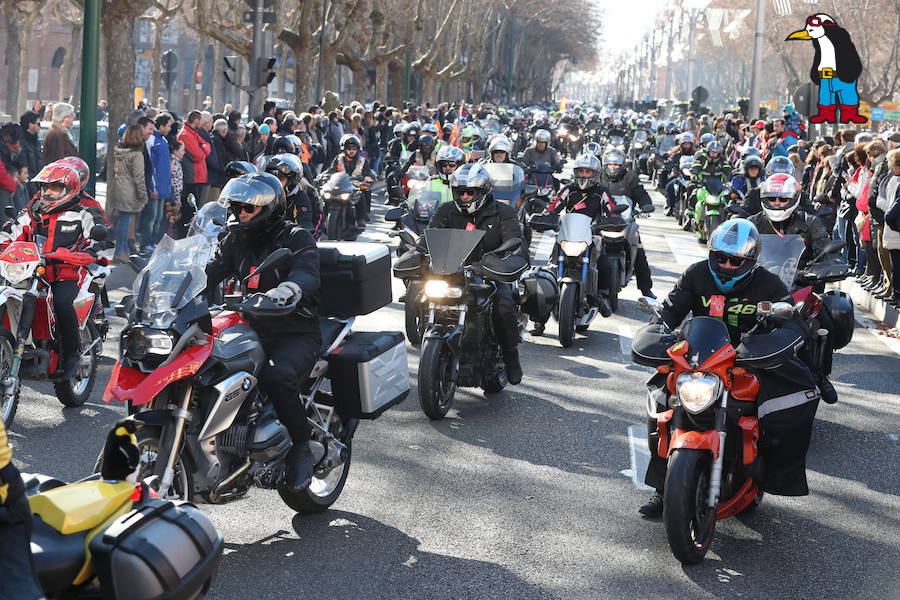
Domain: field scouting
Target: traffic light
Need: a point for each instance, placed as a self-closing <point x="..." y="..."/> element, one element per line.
<point x="231" y="66"/>
<point x="265" y="71"/>
<point x="169" y="65"/>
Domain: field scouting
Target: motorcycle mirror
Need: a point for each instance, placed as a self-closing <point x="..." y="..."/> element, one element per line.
<point x="99" y="233"/>
<point x="510" y="245"/>
<point x="272" y="261"/>
<point x="393" y="214"/>
<point x="123" y="308"/>
<point x="649" y="305"/>
<point x="830" y="248"/>
<point x="737" y="209"/>
<point x="137" y="262"/>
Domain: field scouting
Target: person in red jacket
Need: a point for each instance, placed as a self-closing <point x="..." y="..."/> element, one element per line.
<point x="7" y="183"/>
<point x="196" y="149"/>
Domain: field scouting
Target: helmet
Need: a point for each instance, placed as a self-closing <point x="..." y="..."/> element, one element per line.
<point x="398" y="129"/>
<point x="714" y="147"/>
<point x="780" y="164"/>
<point x="236" y="168"/>
<point x="500" y="143"/>
<point x="474" y="177"/>
<point x="753" y="161"/>
<point x="735" y="240"/>
<point x="426" y="140"/>
<point x="593" y="148"/>
<point x="84" y="172"/>
<point x="430" y="128"/>
<point x="349" y="139"/>
<point x="541" y="135"/>
<point x="750" y="151"/>
<point x="779" y="186"/>
<point x="412" y="129"/>
<point x="706" y="138"/>
<point x="614" y="164"/>
<point x="60" y="173"/>
<point x="285" y="145"/>
<point x="466" y="135"/>
<point x="671" y="127"/>
<point x="256" y="189"/>
<point x="686" y="137"/>
<point x="586" y="161"/>
<point x="285" y="165"/>
<point x="448" y="154"/>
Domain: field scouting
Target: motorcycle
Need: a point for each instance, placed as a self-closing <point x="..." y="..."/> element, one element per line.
<point x="99" y="537"/>
<point x="683" y="187"/>
<point x="541" y="175"/>
<point x="341" y="195"/>
<point x="508" y="186"/>
<point x="710" y="430"/>
<point x="621" y="240"/>
<point x="637" y="152"/>
<point x="460" y="347"/>
<point x="29" y="342"/>
<point x="709" y="209"/>
<point x="189" y="372"/>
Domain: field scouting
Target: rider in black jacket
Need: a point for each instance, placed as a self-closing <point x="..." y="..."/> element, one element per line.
<point x="473" y="207"/>
<point x="256" y="228"/>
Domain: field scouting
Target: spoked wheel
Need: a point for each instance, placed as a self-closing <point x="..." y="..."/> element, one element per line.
<point x="436" y="387"/>
<point x="568" y="306"/>
<point x="76" y="391"/>
<point x="690" y="523"/>
<point x="9" y="401"/>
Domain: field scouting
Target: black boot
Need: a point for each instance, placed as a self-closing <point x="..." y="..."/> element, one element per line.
<point x="67" y="367"/>
<point x="604" y="307"/>
<point x="299" y="464"/>
<point x="513" y="368"/>
<point x="653" y="507"/>
<point x="538" y="329"/>
<point x="829" y="394"/>
<point x="648" y="293"/>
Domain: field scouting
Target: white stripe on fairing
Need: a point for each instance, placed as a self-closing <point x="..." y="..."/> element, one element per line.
<point x="640" y="456"/>
<point x="625" y="336"/>
<point x="685" y="249"/>
<point x="544" y="246"/>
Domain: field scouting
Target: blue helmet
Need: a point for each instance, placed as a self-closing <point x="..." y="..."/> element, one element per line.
<point x="734" y="249"/>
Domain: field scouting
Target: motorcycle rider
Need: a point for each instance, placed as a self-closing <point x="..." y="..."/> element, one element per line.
<point x="302" y="199"/>
<point x="541" y="151"/>
<point x="499" y="151"/>
<point x="780" y="215"/>
<point x="448" y="159"/>
<point x="727" y="285"/>
<point x="409" y="142"/>
<point x="56" y="213"/>
<point x="473" y="206"/>
<point x="711" y="162"/>
<point x="585" y="195"/>
<point x="685" y="148"/>
<point x="620" y="181"/>
<point x="779" y="164"/>
<point x="750" y="177"/>
<point x="256" y="228"/>
<point x="423" y="155"/>
<point x="355" y="166"/>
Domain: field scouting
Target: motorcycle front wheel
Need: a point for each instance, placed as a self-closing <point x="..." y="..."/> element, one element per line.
<point x="8" y="402"/>
<point x="615" y="282"/>
<point x="334" y="225"/>
<point x="323" y="490"/>
<point x="76" y="391"/>
<point x="412" y="311"/>
<point x="436" y="388"/>
<point x="690" y="523"/>
<point x="568" y="307"/>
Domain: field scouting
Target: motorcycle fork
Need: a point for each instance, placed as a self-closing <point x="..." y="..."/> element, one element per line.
<point x="715" y="479"/>
<point x="172" y="437"/>
<point x="26" y="319"/>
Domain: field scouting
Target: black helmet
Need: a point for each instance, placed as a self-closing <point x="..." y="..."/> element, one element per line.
<point x="236" y="168"/>
<point x="256" y="189"/>
<point x="412" y="129"/>
<point x="614" y="164"/>
<point x="426" y="140"/>
<point x="285" y="145"/>
<point x="286" y="165"/>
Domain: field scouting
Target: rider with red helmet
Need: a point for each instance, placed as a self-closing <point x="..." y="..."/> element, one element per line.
<point x="56" y="213"/>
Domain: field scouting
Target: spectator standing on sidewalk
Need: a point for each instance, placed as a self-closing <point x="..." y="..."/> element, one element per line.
<point x="196" y="149"/>
<point x="131" y="187"/>
<point x="160" y="157"/>
<point x="58" y="143"/>
<point x="892" y="223"/>
<point x="31" y="147"/>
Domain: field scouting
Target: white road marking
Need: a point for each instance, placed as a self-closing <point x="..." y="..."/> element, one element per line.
<point x="625" y="336"/>
<point x="685" y="249"/>
<point x="640" y="456"/>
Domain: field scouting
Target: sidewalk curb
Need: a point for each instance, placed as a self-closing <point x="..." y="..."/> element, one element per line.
<point x="882" y="311"/>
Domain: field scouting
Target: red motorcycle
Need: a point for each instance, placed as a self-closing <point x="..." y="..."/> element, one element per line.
<point x="711" y="430"/>
<point x="29" y="342"/>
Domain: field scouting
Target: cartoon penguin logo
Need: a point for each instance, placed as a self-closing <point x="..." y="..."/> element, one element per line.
<point x="836" y="69"/>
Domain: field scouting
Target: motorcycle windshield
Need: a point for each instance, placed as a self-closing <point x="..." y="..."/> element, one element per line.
<point x="617" y="141"/>
<point x="781" y="255"/>
<point x="209" y="222"/>
<point x="575" y="227"/>
<point x="418" y="172"/>
<point x="667" y="142"/>
<point x="640" y="136"/>
<point x="705" y="336"/>
<point x="490" y="125"/>
<point x="506" y="181"/>
<point x="449" y="248"/>
<point x="338" y="183"/>
<point x="424" y="204"/>
<point x="175" y="275"/>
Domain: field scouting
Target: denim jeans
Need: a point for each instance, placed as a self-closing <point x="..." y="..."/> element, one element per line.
<point x="121" y="235"/>
<point x="834" y="91"/>
<point x="149" y="222"/>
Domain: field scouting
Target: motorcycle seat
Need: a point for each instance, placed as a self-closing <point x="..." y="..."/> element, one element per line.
<point x="58" y="558"/>
<point x="331" y="329"/>
<point x="80" y="506"/>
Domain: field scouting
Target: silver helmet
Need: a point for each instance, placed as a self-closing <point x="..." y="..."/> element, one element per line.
<point x="586" y="161"/>
<point x="470" y="185"/>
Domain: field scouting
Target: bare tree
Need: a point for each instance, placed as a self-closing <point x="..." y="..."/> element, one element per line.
<point x="160" y="14"/>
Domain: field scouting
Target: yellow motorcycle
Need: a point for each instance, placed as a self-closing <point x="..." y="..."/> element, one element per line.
<point x="103" y="537"/>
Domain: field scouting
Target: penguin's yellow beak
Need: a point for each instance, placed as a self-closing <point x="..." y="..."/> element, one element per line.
<point x="799" y="35"/>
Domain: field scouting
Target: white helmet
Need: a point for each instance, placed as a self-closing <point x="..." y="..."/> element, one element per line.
<point x="500" y="143"/>
<point x="779" y="196"/>
<point x="542" y="135"/>
<point x="586" y="161"/>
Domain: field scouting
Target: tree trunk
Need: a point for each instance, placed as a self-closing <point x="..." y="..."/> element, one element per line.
<point x="397" y="72"/>
<point x="360" y="81"/>
<point x="103" y="91"/>
<point x="304" y="86"/>
<point x="23" y="69"/>
<point x="71" y="65"/>
<point x="381" y="81"/>
<point x="13" y="56"/>
<point x="155" y="62"/>
<point x="283" y="71"/>
<point x="218" y="66"/>
<point x="329" y="70"/>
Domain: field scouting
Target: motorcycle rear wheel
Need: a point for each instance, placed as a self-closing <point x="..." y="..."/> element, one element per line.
<point x="690" y="523"/>
<point x="568" y="306"/>
<point x="436" y="390"/>
<point x="8" y="405"/>
<point x="498" y="379"/>
<point x="323" y="490"/>
<point x="76" y="391"/>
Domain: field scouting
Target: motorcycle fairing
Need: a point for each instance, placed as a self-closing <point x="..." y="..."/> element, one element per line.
<point x="126" y="383"/>
<point x="449" y="248"/>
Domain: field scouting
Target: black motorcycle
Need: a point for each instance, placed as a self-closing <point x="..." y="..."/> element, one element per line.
<point x="460" y="347"/>
<point x="341" y="195"/>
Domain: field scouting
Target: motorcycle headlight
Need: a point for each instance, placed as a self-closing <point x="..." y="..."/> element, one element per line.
<point x="16" y="272"/>
<point x="697" y="390"/>
<point x="437" y="288"/>
<point x="345" y="196"/>
<point x="713" y="200"/>
<point x="141" y="341"/>
<point x="573" y="248"/>
<point x="638" y="145"/>
<point x="573" y="138"/>
<point x="326" y="195"/>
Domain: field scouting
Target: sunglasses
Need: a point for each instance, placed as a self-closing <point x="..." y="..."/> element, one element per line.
<point x="239" y="207"/>
<point x="467" y="192"/>
<point x="450" y="165"/>
<point x="817" y="22"/>
<point x="734" y="261"/>
<point x="777" y="200"/>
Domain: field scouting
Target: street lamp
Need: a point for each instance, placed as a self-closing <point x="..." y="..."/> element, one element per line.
<point x="756" y="76"/>
<point x="695" y="7"/>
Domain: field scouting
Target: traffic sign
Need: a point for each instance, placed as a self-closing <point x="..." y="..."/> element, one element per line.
<point x="877" y="114"/>
<point x="700" y="94"/>
<point x="805" y="99"/>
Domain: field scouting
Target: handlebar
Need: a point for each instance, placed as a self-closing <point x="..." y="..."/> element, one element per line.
<point x="80" y="259"/>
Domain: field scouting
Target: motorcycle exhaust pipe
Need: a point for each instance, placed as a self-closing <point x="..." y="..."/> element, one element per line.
<point x="218" y="493"/>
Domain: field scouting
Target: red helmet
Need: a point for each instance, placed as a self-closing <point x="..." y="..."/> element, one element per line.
<point x="779" y="196"/>
<point x="84" y="172"/>
<point x="63" y="173"/>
